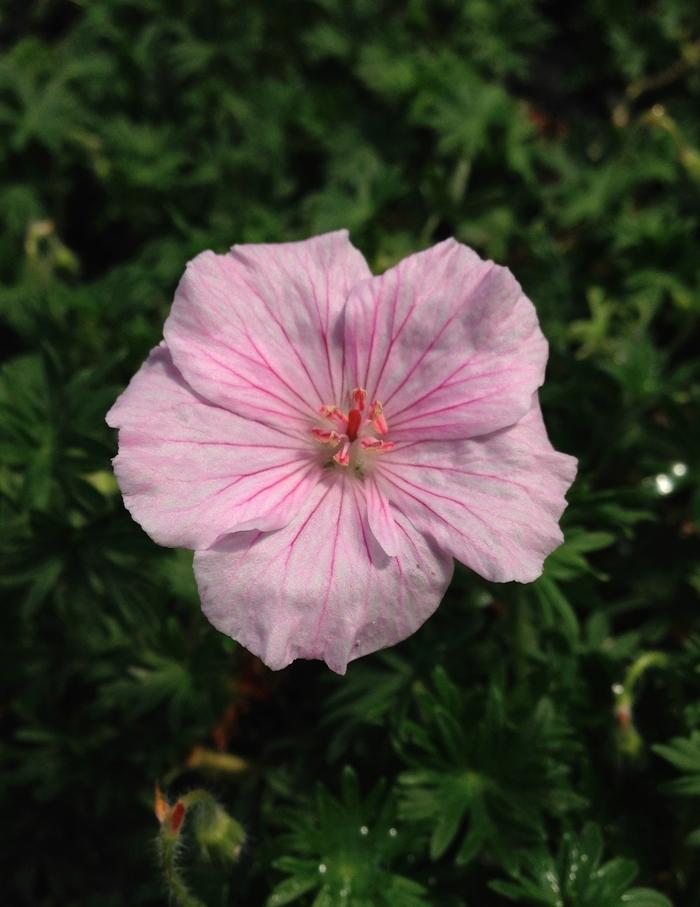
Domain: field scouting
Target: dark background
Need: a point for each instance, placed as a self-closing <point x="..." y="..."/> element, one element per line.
<point x="559" y="139"/>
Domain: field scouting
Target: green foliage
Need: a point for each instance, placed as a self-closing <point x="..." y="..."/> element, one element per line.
<point x="563" y="141"/>
<point x="684" y="754"/>
<point x="467" y="762"/>
<point x="344" y="850"/>
<point x="576" y="877"/>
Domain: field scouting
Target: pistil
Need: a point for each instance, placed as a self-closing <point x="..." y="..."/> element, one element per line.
<point x="354" y="423"/>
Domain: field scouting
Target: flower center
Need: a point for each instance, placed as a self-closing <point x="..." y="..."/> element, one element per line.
<point x="354" y="438"/>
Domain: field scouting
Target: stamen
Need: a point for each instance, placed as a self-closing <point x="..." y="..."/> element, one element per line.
<point x="359" y="398"/>
<point x="333" y="412"/>
<point x="342" y="458"/>
<point x="353" y="433"/>
<point x="376" y="445"/>
<point x="326" y="437"/>
<point x="376" y="414"/>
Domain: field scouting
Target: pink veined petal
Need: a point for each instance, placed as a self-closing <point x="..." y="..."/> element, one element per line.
<point x="492" y="502"/>
<point x="190" y="471"/>
<point x="321" y="587"/>
<point x="379" y="515"/>
<point x="447" y="342"/>
<point x="260" y="331"/>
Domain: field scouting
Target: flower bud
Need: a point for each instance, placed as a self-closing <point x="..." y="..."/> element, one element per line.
<point x="219" y="836"/>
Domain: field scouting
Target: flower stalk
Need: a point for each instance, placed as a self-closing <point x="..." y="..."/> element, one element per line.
<point x="629" y="741"/>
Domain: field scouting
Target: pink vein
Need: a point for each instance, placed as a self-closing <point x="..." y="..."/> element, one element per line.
<point x="425" y="352"/>
<point x="282" y="328"/>
<point x="331" y="571"/>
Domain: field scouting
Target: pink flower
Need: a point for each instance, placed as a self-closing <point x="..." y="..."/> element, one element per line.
<point x="328" y="441"/>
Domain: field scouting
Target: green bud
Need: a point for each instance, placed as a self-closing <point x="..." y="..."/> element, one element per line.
<point x="218" y="835"/>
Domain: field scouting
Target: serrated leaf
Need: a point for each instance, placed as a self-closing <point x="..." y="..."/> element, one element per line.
<point x="290" y="890"/>
<point x="645" y="897"/>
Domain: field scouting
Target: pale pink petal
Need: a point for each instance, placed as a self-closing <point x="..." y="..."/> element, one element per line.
<point x="379" y="515"/>
<point x="260" y="330"/>
<point x="190" y="471"/>
<point x="447" y="342"/>
<point x="492" y="502"/>
<point x="321" y="587"/>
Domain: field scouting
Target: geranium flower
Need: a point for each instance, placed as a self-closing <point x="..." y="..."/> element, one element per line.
<point x="328" y="441"/>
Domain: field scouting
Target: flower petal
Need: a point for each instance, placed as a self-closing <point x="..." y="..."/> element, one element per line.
<point x="447" y="342"/>
<point x="380" y="517"/>
<point x="321" y="587"/>
<point x="492" y="502"/>
<point x="190" y="471"/>
<point x="259" y="331"/>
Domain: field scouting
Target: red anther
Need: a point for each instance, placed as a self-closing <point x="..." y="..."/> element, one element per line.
<point x="359" y="398"/>
<point x="176" y="817"/>
<point x="376" y="414"/>
<point x="354" y="423"/>
<point x="324" y="436"/>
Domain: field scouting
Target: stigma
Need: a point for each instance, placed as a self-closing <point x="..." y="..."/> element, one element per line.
<point x="355" y="437"/>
